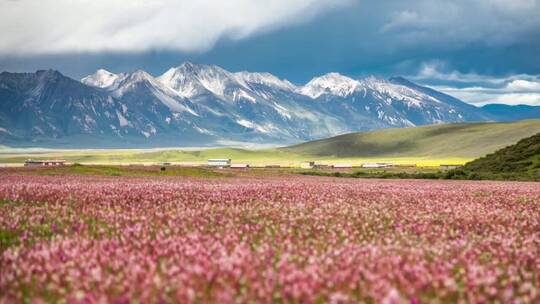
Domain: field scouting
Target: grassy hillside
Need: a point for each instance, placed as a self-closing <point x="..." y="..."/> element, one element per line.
<point x="441" y="141"/>
<point x="520" y="161"/>
<point x="424" y="146"/>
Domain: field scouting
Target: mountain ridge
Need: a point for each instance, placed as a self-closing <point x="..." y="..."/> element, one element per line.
<point x="195" y="104"/>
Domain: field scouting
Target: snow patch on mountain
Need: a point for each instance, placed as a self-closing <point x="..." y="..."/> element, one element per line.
<point x="266" y="79"/>
<point x="387" y="90"/>
<point x="331" y="83"/>
<point x="241" y="94"/>
<point x="251" y="125"/>
<point x="203" y="130"/>
<point x="282" y="111"/>
<point x="122" y="120"/>
<point x="172" y="102"/>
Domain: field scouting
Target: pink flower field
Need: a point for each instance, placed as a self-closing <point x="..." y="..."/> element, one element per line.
<point x="267" y="239"/>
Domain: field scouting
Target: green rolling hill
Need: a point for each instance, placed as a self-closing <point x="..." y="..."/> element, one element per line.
<point x="465" y="141"/>
<point x="520" y="161"/>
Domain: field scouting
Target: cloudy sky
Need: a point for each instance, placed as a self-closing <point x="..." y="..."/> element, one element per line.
<point x="483" y="51"/>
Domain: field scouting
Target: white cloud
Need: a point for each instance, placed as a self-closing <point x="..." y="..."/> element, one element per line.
<point x="532" y="99"/>
<point x="524" y="85"/>
<point x="57" y="26"/>
<point x="482" y="96"/>
<point x="480" y="89"/>
<point x="514" y="93"/>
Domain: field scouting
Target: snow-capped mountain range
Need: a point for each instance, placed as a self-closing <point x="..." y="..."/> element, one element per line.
<point x="195" y="104"/>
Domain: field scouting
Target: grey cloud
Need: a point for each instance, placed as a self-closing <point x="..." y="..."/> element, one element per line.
<point x="31" y="27"/>
<point x="493" y="22"/>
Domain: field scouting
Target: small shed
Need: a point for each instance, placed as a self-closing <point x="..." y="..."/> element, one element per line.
<point x="44" y="163"/>
<point x="377" y="165"/>
<point x="219" y="162"/>
<point x="342" y="166"/>
<point x="449" y="167"/>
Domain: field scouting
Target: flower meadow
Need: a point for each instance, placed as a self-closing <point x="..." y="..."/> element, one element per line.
<point x="273" y="239"/>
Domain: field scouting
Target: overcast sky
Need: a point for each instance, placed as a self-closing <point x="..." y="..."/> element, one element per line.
<point x="482" y="51"/>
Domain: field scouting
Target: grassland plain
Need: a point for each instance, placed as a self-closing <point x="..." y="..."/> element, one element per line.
<point x="423" y="146"/>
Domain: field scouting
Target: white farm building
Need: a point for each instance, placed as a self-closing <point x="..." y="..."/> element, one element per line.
<point x="342" y="166"/>
<point x="219" y="162"/>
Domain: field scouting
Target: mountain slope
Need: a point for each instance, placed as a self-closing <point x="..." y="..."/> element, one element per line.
<point x="47" y="105"/>
<point x="468" y="112"/>
<point x="379" y="103"/>
<point x="453" y="140"/>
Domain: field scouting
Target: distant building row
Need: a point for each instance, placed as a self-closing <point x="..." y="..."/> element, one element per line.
<point x="227" y="162"/>
<point x="44" y="163"/>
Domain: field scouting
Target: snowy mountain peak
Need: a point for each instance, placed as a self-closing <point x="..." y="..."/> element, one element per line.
<point x="190" y="79"/>
<point x="102" y="79"/>
<point x="331" y="83"/>
<point x="187" y="64"/>
<point x="139" y="76"/>
<point x="200" y="69"/>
